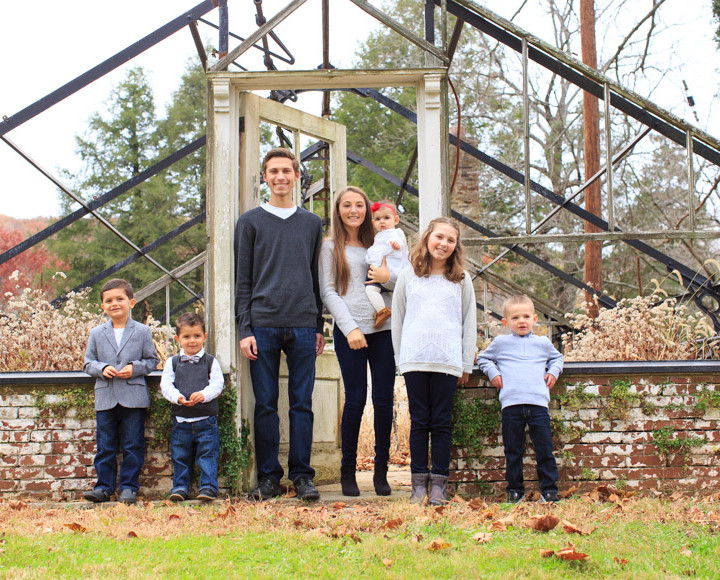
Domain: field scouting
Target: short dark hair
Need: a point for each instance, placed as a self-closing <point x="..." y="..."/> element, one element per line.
<point x="281" y="152"/>
<point x="117" y="283"/>
<point x="189" y="319"/>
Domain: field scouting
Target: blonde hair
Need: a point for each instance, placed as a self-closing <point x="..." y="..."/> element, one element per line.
<point x="420" y="256"/>
<point x="517" y="299"/>
<point x="339" y="236"/>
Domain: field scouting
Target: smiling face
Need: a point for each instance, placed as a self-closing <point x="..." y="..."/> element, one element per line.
<point x="280" y="176"/>
<point x="191" y="338"/>
<point x="384" y="219"/>
<point x="441" y="244"/>
<point x="520" y="318"/>
<point x="116" y="304"/>
<point x="352" y="210"/>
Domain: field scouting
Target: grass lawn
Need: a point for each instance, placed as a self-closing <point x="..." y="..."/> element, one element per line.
<point x="625" y="538"/>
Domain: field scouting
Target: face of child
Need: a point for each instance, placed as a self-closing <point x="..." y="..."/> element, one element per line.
<point x="441" y="243"/>
<point x="191" y="338"/>
<point x="520" y="318"/>
<point x="116" y="304"/>
<point x="384" y="219"/>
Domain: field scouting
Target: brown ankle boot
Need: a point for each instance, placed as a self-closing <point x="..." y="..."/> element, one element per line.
<point x="381" y="316"/>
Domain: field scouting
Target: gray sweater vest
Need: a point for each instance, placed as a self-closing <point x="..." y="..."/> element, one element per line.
<point x="191" y="378"/>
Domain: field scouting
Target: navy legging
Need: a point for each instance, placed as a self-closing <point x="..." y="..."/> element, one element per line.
<point x="353" y="366"/>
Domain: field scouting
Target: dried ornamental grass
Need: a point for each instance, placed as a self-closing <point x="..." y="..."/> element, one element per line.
<point x="641" y="328"/>
<point x="35" y="336"/>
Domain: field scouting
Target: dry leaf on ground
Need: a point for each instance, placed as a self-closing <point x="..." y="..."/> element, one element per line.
<point x="547" y="553"/>
<point x="571" y="528"/>
<point x="387" y="562"/>
<point x="543" y="523"/>
<point x="392" y="524"/>
<point x="438" y="544"/>
<point x="482" y="537"/>
<point x="569" y="553"/>
<point x="477" y="504"/>
<point x="76" y="528"/>
<point x="620" y="561"/>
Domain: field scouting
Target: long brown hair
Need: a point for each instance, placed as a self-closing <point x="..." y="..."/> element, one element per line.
<point x="420" y="256"/>
<point x="340" y="236"/>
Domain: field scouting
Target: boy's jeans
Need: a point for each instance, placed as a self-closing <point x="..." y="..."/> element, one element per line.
<point x="298" y="344"/>
<point x="195" y="442"/>
<point x="537" y="418"/>
<point x="121" y="427"/>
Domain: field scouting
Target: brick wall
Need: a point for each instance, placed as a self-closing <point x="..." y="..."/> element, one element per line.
<point x="645" y="426"/>
<point x="47" y="455"/>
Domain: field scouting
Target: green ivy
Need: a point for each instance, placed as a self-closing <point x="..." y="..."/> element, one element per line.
<point x="575" y="397"/>
<point x="473" y="420"/>
<point x="666" y="443"/>
<point x="80" y="398"/>
<point x="235" y="449"/>
<point x="707" y="399"/>
<point x="620" y="400"/>
<point x="160" y="416"/>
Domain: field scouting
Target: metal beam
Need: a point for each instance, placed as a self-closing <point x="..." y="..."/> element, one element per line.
<point x="105" y="67"/>
<point x="102" y="200"/>
<point x="166" y="280"/>
<point x="224" y="62"/>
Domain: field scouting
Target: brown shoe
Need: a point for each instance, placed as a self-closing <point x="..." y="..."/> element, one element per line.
<point x="381" y="316"/>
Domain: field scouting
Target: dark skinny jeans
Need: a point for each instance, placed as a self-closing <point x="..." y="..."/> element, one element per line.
<point x="353" y="366"/>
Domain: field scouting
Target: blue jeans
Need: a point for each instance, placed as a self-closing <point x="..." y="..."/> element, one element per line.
<point x="124" y="428"/>
<point x="298" y="344"/>
<point x="196" y="442"/>
<point x="430" y="402"/>
<point x="353" y="366"/>
<point x="537" y="418"/>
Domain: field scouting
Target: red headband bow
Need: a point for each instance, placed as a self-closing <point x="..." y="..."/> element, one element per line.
<point x="377" y="205"/>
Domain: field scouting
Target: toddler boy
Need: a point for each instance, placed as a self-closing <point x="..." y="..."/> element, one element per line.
<point x="524" y="367"/>
<point x="192" y="381"/>
<point x="120" y="353"/>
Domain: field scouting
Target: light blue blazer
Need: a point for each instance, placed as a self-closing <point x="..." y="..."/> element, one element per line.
<point x="136" y="347"/>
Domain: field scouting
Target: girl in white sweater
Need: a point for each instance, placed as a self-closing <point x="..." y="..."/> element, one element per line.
<point x="434" y="336"/>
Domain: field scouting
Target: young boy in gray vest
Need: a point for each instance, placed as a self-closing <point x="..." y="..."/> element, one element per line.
<point x="192" y="381"/>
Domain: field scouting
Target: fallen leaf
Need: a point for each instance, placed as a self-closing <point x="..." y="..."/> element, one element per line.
<point x="132" y="534"/>
<point x="457" y="499"/>
<point x="573" y="529"/>
<point x="569" y="553"/>
<point x="685" y="552"/>
<point x="416" y="538"/>
<point x="477" y="504"/>
<point x="387" y="562"/>
<point x="17" y="505"/>
<point x="173" y="517"/>
<point x="231" y="509"/>
<point x="482" y="537"/>
<point x="676" y="496"/>
<point x="568" y="492"/>
<point x="621" y="561"/>
<point x="440" y="509"/>
<point x="76" y="528"/>
<point x="498" y="526"/>
<point x="290" y="493"/>
<point x="547" y="553"/>
<point x="392" y="524"/>
<point x="338" y="505"/>
<point x="543" y="523"/>
<point x="438" y="544"/>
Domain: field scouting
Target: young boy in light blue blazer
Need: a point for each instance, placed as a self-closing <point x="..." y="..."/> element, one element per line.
<point x="120" y="353"/>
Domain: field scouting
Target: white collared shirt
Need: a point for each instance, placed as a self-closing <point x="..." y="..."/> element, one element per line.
<point x="212" y="391"/>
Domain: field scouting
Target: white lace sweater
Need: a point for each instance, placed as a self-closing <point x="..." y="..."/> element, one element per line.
<point x="434" y="324"/>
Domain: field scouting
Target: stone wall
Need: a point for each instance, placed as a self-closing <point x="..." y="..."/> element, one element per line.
<point x="641" y="426"/>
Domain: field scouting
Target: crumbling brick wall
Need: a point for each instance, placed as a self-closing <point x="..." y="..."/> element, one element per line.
<point x="640" y="431"/>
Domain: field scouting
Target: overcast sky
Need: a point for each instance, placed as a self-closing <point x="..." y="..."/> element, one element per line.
<point x="46" y="43"/>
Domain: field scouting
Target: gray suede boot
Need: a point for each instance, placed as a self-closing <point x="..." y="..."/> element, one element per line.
<point x="438" y="494"/>
<point x="419" y="487"/>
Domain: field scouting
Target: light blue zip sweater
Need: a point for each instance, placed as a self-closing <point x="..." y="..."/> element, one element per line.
<point x="522" y="362"/>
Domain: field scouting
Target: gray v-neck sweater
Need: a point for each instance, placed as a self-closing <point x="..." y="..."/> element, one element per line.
<point x="277" y="271"/>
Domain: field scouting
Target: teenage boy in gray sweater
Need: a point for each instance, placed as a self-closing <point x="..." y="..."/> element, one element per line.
<point x="278" y="308"/>
<point x="524" y="367"/>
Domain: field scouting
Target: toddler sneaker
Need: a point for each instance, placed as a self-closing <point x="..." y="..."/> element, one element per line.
<point x="381" y="316"/>
<point x="128" y="496"/>
<point x="206" y="494"/>
<point x="178" y="495"/>
<point x="514" y="496"/>
<point x="97" y="496"/>
<point x="549" y="497"/>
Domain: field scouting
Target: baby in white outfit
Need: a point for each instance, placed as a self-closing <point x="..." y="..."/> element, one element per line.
<point x="389" y="243"/>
